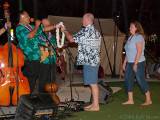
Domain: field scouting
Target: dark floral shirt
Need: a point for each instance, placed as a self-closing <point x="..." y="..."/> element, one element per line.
<point x="89" y="40"/>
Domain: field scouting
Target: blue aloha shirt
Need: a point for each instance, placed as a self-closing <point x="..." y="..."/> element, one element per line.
<point x="30" y="47"/>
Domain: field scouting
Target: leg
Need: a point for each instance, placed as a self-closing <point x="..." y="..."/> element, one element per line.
<point x="130" y="100"/>
<point x="90" y="78"/>
<point x="63" y="67"/>
<point x="53" y="74"/>
<point x="148" y="100"/>
<point x="32" y="69"/>
<point x="129" y="82"/>
<point x="95" y="95"/>
<point x="47" y="75"/>
<point x="43" y="77"/>
<point x="140" y="76"/>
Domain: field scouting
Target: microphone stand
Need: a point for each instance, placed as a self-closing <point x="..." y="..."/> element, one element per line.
<point x="70" y="60"/>
<point x="116" y="24"/>
<point x="50" y="44"/>
<point x="72" y="104"/>
<point x="53" y="48"/>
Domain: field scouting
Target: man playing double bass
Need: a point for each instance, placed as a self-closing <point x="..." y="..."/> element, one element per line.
<point x="30" y="38"/>
<point x="3" y="30"/>
<point x="6" y="26"/>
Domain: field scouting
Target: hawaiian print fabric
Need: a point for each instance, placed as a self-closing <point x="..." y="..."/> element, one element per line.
<point x="89" y="40"/>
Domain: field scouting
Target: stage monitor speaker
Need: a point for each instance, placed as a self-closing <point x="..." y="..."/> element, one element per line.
<point x="105" y="92"/>
<point x="31" y="105"/>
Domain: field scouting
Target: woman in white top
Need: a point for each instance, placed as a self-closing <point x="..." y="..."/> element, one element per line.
<point x="134" y="63"/>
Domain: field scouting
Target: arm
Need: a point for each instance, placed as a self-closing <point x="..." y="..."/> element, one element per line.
<point x="69" y="36"/>
<point x="2" y="30"/>
<point x="49" y="28"/>
<point x="124" y="63"/>
<point x="6" y="26"/>
<point x="34" y="31"/>
<point x="139" y="47"/>
<point x="23" y="40"/>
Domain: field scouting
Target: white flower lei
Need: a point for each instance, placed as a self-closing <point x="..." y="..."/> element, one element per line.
<point x="60" y="44"/>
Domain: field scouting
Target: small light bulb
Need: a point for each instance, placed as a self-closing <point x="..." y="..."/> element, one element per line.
<point x="2" y="65"/>
<point x="12" y="34"/>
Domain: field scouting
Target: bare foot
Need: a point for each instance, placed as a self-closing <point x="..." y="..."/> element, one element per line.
<point x="92" y="109"/>
<point x="89" y="106"/>
<point x="128" y="103"/>
<point x="147" y="103"/>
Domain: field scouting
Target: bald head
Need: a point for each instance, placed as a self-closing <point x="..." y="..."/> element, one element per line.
<point x="88" y="19"/>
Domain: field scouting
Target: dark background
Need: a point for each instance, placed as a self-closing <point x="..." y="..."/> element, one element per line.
<point x="145" y="11"/>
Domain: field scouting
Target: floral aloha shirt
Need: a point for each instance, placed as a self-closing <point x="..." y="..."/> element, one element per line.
<point x="89" y="41"/>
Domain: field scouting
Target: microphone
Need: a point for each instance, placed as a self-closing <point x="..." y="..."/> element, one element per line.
<point x="32" y="20"/>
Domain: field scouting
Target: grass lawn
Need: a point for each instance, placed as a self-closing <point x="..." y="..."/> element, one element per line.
<point x="115" y="111"/>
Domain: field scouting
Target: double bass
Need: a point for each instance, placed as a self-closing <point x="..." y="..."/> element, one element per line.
<point x="13" y="83"/>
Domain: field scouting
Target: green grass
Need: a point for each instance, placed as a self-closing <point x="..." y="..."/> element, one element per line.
<point x="116" y="111"/>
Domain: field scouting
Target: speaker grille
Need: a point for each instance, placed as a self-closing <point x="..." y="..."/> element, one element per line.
<point x="29" y="105"/>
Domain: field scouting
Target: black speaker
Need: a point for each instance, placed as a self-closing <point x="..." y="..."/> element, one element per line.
<point x="31" y="105"/>
<point x="105" y="92"/>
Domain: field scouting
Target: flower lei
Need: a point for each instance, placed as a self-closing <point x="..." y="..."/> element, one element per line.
<point x="60" y="43"/>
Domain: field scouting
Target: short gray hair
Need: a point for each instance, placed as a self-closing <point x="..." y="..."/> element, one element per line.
<point x="90" y="16"/>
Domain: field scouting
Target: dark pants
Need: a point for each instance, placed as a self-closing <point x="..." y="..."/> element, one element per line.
<point x="130" y="75"/>
<point x="31" y="71"/>
<point x="47" y="75"/>
<point x="39" y="74"/>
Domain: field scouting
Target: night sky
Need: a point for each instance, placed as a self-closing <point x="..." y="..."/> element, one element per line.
<point x="146" y="11"/>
